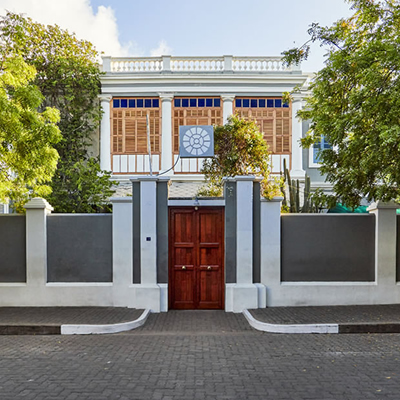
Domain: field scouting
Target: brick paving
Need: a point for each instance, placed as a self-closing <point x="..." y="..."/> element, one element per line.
<point x="208" y="355"/>
<point x="326" y="315"/>
<point x="66" y="315"/>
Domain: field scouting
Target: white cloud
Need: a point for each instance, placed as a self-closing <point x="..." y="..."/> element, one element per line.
<point x="76" y="16"/>
<point x="162" y="49"/>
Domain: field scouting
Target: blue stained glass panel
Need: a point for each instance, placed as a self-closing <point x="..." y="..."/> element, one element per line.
<point x="238" y="102"/>
<point x="285" y="105"/>
<point x="261" y="103"/>
<point x="278" y="103"/>
<point x="270" y="103"/>
<point x="156" y="103"/>
<point x="209" y="102"/>
<point x="124" y="103"/>
<point x="193" y="102"/>
<point x="201" y="102"/>
<point x="147" y="103"/>
<point x="177" y="102"/>
<point x="116" y="103"/>
<point x="132" y="103"/>
<point x="253" y="103"/>
<point x="139" y="103"/>
<point x="217" y="102"/>
<point x="246" y="103"/>
<point x="185" y="102"/>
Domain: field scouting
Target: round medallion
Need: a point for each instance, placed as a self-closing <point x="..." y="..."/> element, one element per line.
<point x="196" y="141"/>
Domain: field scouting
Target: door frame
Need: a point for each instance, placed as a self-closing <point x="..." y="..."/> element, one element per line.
<point x="220" y="208"/>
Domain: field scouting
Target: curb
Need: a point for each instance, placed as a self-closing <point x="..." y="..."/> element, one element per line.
<point x="294" y="328"/>
<point x="106" y="328"/>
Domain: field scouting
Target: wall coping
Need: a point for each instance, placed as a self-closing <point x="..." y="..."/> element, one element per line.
<point x="391" y="205"/>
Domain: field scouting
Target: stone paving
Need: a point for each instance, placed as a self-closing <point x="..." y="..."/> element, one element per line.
<point x="326" y="315"/>
<point x="208" y="355"/>
<point x="66" y="315"/>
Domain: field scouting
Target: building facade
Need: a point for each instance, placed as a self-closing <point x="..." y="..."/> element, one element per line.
<point x="173" y="91"/>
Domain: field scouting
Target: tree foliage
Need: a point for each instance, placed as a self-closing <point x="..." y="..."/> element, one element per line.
<point x="355" y="101"/>
<point x="240" y="149"/>
<point x="27" y="137"/>
<point x="68" y="76"/>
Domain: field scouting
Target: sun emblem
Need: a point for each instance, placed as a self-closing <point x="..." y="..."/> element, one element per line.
<point x="196" y="141"/>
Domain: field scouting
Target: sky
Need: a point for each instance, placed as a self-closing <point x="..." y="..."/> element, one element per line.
<point x="188" y="27"/>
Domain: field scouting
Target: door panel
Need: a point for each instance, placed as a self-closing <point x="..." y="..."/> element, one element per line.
<point x="196" y="258"/>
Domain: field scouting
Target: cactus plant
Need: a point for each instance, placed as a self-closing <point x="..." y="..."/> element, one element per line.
<point x="293" y="189"/>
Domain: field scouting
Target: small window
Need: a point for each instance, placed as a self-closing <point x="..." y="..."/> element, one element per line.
<point x="185" y="102"/>
<point x="139" y="103"/>
<point x="278" y="103"/>
<point x="132" y="103"/>
<point x="270" y="103"/>
<point x="177" y="102"/>
<point x="193" y="102"/>
<point x="147" y="103"/>
<point x="285" y="105"/>
<point x="201" y="102"/>
<point x="315" y="151"/>
<point x="124" y="103"/>
<point x="261" y="103"/>
<point x="156" y="103"/>
<point x="116" y="103"/>
<point x="217" y="102"/>
<point x="246" y="103"/>
<point x="253" y="103"/>
<point x="209" y="102"/>
<point x="238" y="103"/>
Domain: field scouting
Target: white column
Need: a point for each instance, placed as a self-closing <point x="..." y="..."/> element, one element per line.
<point x="385" y="242"/>
<point x="166" y="132"/>
<point x="297" y="171"/>
<point x="227" y="106"/>
<point x="105" y="134"/>
<point x="36" y="241"/>
<point x="122" y="239"/>
<point x="271" y="245"/>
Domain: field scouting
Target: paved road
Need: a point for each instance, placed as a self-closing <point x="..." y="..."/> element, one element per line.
<point x="200" y="355"/>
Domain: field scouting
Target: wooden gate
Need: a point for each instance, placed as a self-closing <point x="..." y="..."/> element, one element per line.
<point x="196" y="257"/>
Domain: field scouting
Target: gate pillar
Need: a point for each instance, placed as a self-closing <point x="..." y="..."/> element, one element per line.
<point x="150" y="242"/>
<point x="242" y="292"/>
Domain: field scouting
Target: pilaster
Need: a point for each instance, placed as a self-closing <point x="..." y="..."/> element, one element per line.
<point x="297" y="171"/>
<point x="166" y="132"/>
<point x="105" y="133"/>
<point x="227" y="106"/>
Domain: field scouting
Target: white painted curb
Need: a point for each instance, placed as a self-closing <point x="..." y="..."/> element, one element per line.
<point x="296" y="328"/>
<point x="100" y="329"/>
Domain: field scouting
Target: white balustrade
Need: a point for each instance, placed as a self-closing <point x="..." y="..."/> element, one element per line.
<point x="195" y="64"/>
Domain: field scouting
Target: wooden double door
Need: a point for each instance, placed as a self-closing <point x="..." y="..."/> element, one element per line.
<point x="196" y="257"/>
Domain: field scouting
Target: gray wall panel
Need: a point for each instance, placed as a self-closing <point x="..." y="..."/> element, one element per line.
<point x="12" y="248"/>
<point x="162" y="232"/>
<point x="398" y="250"/>
<point x="230" y="232"/>
<point x="136" y="232"/>
<point x="323" y="247"/>
<point x="79" y="248"/>
<point x="256" y="232"/>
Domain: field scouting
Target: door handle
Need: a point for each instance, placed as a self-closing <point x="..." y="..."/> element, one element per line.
<point x="183" y="267"/>
<point x="208" y="267"/>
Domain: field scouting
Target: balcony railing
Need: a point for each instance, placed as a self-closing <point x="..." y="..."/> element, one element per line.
<point x="195" y="64"/>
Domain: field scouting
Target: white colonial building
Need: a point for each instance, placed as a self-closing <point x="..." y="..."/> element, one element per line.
<point x="174" y="91"/>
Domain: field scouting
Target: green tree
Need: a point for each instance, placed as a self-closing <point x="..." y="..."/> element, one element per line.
<point x="355" y="101"/>
<point x="240" y="149"/>
<point x="68" y="76"/>
<point x="27" y="137"/>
